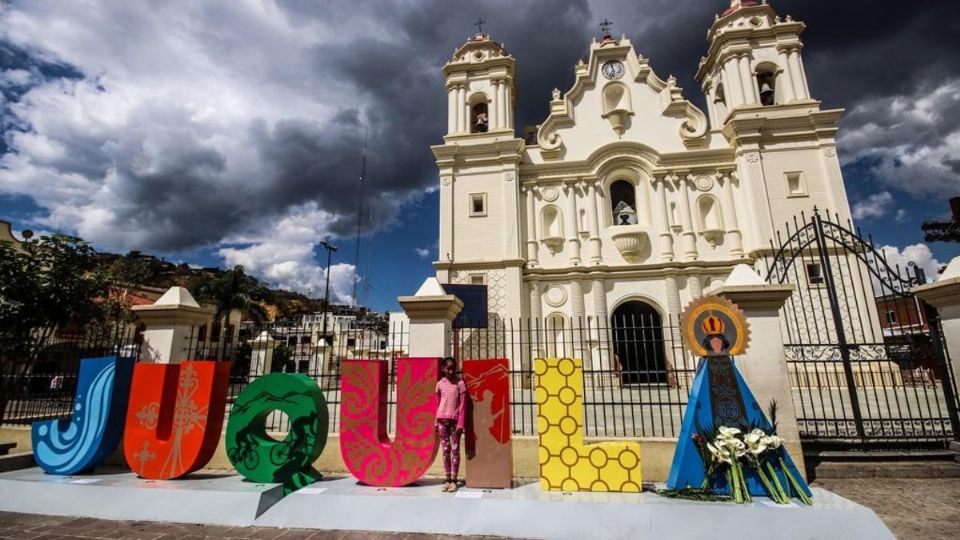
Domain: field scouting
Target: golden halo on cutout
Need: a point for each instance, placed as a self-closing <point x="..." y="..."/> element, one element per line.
<point x="695" y="320"/>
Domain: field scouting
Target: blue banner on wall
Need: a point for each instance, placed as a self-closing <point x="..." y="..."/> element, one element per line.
<point x="474" y="298"/>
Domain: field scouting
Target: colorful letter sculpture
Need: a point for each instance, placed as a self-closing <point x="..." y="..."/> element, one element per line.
<point x="175" y="417"/>
<point x="488" y="438"/>
<point x="566" y="464"/>
<point x="364" y="445"/>
<point x="713" y="327"/>
<point x="96" y="426"/>
<point x="261" y="458"/>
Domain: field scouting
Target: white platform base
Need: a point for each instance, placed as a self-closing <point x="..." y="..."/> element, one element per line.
<point x="524" y="512"/>
<point x="216" y="500"/>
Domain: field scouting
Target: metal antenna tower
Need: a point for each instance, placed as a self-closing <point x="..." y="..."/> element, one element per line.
<point x="356" y="254"/>
<point x="367" y="282"/>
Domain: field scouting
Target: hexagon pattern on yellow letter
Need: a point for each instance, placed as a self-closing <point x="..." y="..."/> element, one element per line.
<point x="566" y="464"/>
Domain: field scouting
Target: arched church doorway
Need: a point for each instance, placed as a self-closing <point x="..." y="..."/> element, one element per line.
<point x="638" y="343"/>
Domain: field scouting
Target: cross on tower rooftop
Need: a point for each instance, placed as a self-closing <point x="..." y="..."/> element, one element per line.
<point x="479" y="24"/>
<point x="605" y="26"/>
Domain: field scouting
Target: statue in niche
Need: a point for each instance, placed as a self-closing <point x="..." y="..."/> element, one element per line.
<point x="624" y="214"/>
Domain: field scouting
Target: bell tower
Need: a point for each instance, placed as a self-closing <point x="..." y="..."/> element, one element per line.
<point x="757" y="95"/>
<point x="479" y="168"/>
<point x="481" y="91"/>
<point x="753" y="61"/>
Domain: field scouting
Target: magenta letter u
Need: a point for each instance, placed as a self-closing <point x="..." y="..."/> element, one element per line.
<point x="365" y="447"/>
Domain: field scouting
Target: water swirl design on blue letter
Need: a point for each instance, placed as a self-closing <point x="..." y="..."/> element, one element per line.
<point x="96" y="426"/>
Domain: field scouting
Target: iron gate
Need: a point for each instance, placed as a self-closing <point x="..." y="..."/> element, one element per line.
<point x="866" y="359"/>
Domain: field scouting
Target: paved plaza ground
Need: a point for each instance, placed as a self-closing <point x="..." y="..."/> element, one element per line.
<point x="926" y="509"/>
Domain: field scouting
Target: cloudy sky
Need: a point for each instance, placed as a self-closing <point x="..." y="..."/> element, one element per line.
<point x="229" y="132"/>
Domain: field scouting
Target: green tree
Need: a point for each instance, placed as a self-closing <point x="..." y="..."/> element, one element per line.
<point x="130" y="270"/>
<point x="231" y="290"/>
<point x="45" y="284"/>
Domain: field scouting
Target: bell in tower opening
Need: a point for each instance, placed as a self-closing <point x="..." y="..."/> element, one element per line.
<point x="479" y="121"/>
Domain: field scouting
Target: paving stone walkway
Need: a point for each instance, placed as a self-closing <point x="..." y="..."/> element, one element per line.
<point x="36" y="527"/>
<point x="926" y="509"/>
<point x="914" y="508"/>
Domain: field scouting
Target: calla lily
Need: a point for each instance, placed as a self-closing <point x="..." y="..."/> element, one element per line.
<point x="727" y="432"/>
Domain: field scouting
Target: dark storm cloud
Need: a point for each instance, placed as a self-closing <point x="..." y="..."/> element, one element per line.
<point x="200" y="177"/>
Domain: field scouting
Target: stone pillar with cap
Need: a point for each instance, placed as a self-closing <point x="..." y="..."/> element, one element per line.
<point x="944" y="295"/>
<point x="261" y="355"/>
<point x="431" y="311"/>
<point x="170" y="322"/>
<point x="764" y="364"/>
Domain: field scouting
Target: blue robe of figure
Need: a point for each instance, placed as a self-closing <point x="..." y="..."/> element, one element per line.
<point x="719" y="382"/>
<point x="96" y="426"/>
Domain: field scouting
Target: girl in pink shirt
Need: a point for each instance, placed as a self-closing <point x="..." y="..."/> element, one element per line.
<point x="451" y="414"/>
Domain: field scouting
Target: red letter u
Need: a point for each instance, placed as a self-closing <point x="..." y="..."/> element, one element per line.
<point x="174" y="417"/>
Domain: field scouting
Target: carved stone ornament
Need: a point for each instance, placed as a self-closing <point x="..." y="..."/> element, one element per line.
<point x="553" y="243"/>
<point x="555" y="296"/>
<point x="703" y="183"/>
<point x="830" y="151"/>
<point x="631" y="242"/>
<point x="753" y="157"/>
<point x="712" y="236"/>
<point x="550" y="194"/>
<point x="445" y="181"/>
<point x="509" y="177"/>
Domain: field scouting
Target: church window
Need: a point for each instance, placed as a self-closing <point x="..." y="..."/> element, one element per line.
<point x="796" y="186"/>
<point x="478" y="204"/>
<point x="623" y="202"/>
<point x="891" y="317"/>
<point x="710" y="218"/>
<point x="814" y="274"/>
<point x="478" y="279"/>
<point x="767" y="83"/>
<point x="479" y="119"/>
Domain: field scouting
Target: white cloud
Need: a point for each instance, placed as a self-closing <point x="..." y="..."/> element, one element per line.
<point x="196" y="110"/>
<point x="874" y="206"/>
<point x="195" y="125"/>
<point x="286" y="255"/>
<point x="899" y="260"/>
<point x="422" y="252"/>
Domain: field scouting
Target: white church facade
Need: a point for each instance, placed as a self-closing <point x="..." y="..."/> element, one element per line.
<point x="629" y="200"/>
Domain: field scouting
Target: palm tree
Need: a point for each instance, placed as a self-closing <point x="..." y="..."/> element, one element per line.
<point x="232" y="290"/>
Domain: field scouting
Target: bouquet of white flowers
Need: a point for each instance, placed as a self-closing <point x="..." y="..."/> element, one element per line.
<point x="730" y="449"/>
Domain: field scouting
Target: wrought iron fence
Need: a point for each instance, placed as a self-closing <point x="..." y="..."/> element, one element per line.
<point x="42" y="385"/>
<point x="865" y="356"/>
<point x="302" y="347"/>
<point x="636" y="374"/>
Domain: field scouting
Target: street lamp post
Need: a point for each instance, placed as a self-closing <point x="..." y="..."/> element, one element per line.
<point x="326" y="302"/>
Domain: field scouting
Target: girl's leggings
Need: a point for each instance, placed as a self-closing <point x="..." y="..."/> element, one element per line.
<point x="450" y="446"/>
